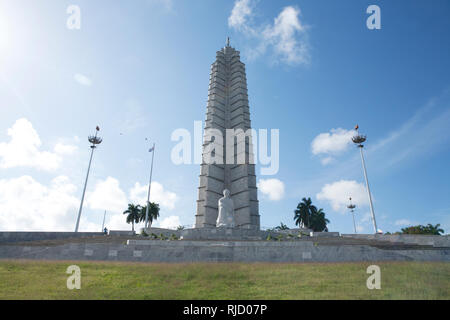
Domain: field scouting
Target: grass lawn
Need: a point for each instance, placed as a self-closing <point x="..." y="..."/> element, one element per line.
<point x="105" y="280"/>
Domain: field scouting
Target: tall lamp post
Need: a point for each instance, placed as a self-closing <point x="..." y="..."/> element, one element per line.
<point x="103" y="224"/>
<point x="359" y="139"/>
<point x="352" y="207"/>
<point x="95" y="140"/>
<point x="152" y="150"/>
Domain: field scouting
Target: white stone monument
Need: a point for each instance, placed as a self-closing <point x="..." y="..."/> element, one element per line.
<point x="228" y="108"/>
<point x="226" y="211"/>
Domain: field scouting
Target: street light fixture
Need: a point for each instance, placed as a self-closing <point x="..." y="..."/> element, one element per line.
<point x="95" y="140"/>
<point x="359" y="139"/>
<point x="152" y="150"/>
<point x="352" y="210"/>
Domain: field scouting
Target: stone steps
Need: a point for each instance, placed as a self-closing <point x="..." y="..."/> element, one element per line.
<point x="381" y="244"/>
<point x="334" y="241"/>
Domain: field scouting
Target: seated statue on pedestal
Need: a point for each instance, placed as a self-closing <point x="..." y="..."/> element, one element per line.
<point x="226" y="211"/>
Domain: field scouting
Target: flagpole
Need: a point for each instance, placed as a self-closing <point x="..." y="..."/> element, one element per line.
<point x="149" y="187"/>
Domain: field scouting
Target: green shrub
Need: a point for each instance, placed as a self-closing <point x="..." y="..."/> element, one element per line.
<point x="428" y="229"/>
<point x="173" y="237"/>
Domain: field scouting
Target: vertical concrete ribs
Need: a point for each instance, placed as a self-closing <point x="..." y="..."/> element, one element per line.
<point x="228" y="108"/>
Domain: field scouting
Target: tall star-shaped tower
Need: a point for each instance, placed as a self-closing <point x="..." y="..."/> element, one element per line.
<point x="228" y="108"/>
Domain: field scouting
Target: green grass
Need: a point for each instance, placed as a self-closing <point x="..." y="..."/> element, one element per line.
<point x="104" y="280"/>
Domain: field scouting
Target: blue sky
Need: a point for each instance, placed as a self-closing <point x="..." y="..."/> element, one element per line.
<point x="140" y="69"/>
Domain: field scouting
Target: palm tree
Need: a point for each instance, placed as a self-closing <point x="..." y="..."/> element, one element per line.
<point x="434" y="230"/>
<point x="428" y="229"/>
<point x="303" y="213"/>
<point x="282" y="226"/>
<point x="318" y="221"/>
<point x="132" y="214"/>
<point x="153" y="213"/>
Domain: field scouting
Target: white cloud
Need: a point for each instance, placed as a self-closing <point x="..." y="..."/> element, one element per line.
<point x="82" y="79"/>
<point x="412" y="141"/>
<point x="107" y="195"/>
<point x="23" y="149"/>
<point x="273" y="188"/>
<point x="171" y="222"/>
<point x="283" y="37"/>
<point x="360" y="229"/>
<point x="242" y="10"/>
<point x="65" y="149"/>
<point x="27" y="205"/>
<point x="404" y="222"/>
<point x="333" y="142"/>
<point x="117" y="221"/>
<point x="327" y="160"/>
<point x="287" y="36"/>
<point x="165" y="198"/>
<point x="339" y="192"/>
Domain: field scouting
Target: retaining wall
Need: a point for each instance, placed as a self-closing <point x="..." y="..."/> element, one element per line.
<point x="223" y="233"/>
<point x="8" y="237"/>
<point x="219" y="251"/>
<point x="436" y="241"/>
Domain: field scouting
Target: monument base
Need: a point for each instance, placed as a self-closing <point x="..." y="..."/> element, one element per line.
<point x="275" y="248"/>
<point x="223" y="233"/>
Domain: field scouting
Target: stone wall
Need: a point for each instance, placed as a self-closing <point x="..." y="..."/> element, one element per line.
<point x="219" y="251"/>
<point x="324" y="234"/>
<point x="295" y="231"/>
<point x="121" y="233"/>
<point x="225" y="233"/>
<point x="7" y="237"/>
<point x="436" y="241"/>
<point x="224" y="245"/>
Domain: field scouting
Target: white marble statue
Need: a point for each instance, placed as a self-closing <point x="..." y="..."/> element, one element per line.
<point x="226" y="211"/>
